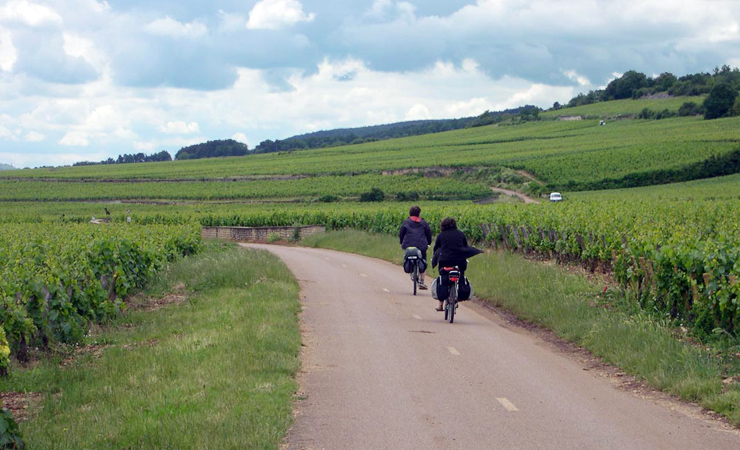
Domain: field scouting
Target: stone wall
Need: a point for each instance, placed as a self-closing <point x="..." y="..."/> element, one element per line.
<point x="260" y="234"/>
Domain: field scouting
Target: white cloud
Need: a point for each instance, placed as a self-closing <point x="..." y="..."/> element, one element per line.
<point x="179" y="127"/>
<point x="573" y="75"/>
<point x="8" y="53"/>
<point x="383" y="9"/>
<point x="418" y="112"/>
<point x="75" y="139"/>
<point x="172" y="28"/>
<point x="174" y="144"/>
<point x="240" y="137"/>
<point x="33" y="136"/>
<point x="29" y="13"/>
<point x="277" y="14"/>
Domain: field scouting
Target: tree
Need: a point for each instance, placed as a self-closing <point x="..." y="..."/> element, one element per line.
<point x="556" y="106"/>
<point x="626" y="85"/>
<point x="664" y="81"/>
<point x="720" y="100"/>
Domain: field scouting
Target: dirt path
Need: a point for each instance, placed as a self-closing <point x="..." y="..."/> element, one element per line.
<point x="523" y="197"/>
<point x="382" y="370"/>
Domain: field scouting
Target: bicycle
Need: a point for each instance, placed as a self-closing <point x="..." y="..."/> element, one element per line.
<point x="450" y="304"/>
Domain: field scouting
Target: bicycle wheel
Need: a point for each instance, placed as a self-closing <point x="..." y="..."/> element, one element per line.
<point x="416" y="277"/>
<point x="446" y="307"/>
<point x="452" y="303"/>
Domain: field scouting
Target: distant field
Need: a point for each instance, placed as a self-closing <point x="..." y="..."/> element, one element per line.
<point x="719" y="188"/>
<point x="304" y="188"/>
<point x="556" y="152"/>
<point x="624" y="107"/>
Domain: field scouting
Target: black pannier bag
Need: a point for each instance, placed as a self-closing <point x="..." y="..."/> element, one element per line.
<point x="464" y="289"/>
<point x="413" y="255"/>
<point x="439" y="290"/>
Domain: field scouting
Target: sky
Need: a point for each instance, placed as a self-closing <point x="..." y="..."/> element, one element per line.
<point x="84" y="80"/>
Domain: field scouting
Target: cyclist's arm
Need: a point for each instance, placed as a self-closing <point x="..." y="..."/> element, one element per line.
<point x="402" y="233"/>
<point x="428" y="232"/>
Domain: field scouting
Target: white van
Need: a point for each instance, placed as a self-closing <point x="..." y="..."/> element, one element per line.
<point x="556" y="197"/>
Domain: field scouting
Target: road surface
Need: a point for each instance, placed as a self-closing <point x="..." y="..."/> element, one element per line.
<point x="382" y="370"/>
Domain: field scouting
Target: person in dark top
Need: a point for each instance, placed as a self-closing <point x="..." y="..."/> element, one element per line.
<point x="451" y="249"/>
<point x="415" y="232"/>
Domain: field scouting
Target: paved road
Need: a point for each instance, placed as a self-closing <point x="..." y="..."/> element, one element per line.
<point x="382" y="370"/>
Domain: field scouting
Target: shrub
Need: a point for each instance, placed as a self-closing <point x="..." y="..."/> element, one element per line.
<point x="375" y="195"/>
<point x="689" y="109"/>
<point x="328" y="198"/>
<point x="719" y="102"/>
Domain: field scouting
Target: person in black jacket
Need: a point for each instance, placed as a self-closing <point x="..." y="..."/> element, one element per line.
<point x="451" y="249"/>
<point x="415" y="232"/>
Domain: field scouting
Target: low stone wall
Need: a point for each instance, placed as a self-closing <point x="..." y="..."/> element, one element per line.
<point x="260" y="234"/>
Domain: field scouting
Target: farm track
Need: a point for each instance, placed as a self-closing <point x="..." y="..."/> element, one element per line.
<point x="523" y="197"/>
<point x="381" y="369"/>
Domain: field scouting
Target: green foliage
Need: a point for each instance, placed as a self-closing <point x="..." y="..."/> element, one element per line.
<point x="689" y="109"/>
<point x="328" y="198"/>
<point x="720" y="101"/>
<point x="56" y="279"/>
<point x="325" y="189"/>
<point x="213" y="149"/>
<point x="375" y="195"/>
<point x="656" y="115"/>
<point x="625" y="86"/>
<point x="10" y="433"/>
<point x="4" y="353"/>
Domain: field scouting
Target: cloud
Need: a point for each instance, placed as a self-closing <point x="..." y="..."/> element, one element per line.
<point x="75" y="139"/>
<point x="33" y="136"/>
<point x="418" y="112"/>
<point x="28" y="13"/>
<point x="277" y="14"/>
<point x="240" y="137"/>
<point x="41" y="54"/>
<point x="174" y="29"/>
<point x="179" y="128"/>
<point x="8" y="53"/>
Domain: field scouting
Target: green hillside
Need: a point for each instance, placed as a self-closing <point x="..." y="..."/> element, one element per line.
<point x="565" y="155"/>
<point x="626" y="107"/>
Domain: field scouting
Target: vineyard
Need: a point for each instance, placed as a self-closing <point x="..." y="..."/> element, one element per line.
<point x="673" y="247"/>
<point x="56" y="279"/>
<point x="303" y="188"/>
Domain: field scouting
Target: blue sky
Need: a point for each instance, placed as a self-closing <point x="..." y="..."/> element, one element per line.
<point x="90" y="79"/>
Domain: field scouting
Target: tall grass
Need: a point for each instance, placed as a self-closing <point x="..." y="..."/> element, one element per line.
<point x="214" y="371"/>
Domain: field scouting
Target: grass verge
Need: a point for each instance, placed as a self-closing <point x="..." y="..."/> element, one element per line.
<point x="213" y="369"/>
<point x="571" y="305"/>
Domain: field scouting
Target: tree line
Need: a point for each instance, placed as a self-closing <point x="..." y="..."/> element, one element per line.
<point x="360" y="135"/>
<point x="721" y="88"/>
<point x="130" y="158"/>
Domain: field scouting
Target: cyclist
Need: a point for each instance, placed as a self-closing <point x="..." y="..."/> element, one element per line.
<point x="415" y="232"/>
<point x="451" y="249"/>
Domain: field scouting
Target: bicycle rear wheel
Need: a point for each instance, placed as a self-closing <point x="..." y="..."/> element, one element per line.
<point x="416" y="276"/>
<point x="452" y="303"/>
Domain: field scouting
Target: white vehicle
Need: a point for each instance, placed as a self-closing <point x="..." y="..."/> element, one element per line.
<point x="556" y="197"/>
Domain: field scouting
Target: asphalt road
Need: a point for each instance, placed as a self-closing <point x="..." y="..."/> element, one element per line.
<point x="382" y="370"/>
